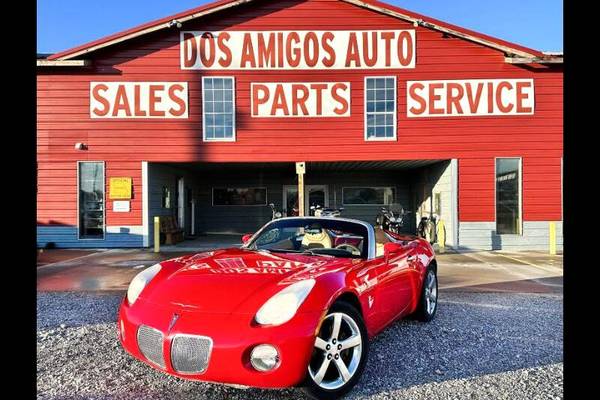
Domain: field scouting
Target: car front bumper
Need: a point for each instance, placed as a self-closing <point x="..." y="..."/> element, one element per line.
<point x="233" y="337"/>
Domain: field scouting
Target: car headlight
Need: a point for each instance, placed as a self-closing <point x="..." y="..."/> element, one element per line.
<point x="283" y="306"/>
<point x="140" y="281"/>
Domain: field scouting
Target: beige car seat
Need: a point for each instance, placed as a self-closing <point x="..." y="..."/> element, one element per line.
<point x="380" y="240"/>
<point x="317" y="240"/>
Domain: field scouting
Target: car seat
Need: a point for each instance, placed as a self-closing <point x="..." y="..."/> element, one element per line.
<point x="317" y="240"/>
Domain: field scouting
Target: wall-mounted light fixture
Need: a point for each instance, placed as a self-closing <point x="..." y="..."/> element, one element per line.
<point x="80" y="146"/>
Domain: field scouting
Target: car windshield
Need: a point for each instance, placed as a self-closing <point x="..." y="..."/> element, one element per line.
<point x="317" y="236"/>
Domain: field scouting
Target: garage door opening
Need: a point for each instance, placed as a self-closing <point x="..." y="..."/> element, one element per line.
<point x="234" y="198"/>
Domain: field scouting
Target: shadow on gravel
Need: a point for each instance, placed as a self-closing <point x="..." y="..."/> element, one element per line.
<point x="473" y="334"/>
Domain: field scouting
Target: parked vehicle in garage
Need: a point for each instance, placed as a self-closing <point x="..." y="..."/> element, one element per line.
<point x="275" y="214"/>
<point x="319" y="211"/>
<point x="391" y="218"/>
<point x="304" y="295"/>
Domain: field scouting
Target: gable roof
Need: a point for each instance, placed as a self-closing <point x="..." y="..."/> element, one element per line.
<point x="511" y="49"/>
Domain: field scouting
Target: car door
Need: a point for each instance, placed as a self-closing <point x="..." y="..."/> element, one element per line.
<point x="395" y="282"/>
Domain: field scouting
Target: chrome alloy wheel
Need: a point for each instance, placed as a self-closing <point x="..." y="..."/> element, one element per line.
<point x="430" y="292"/>
<point x="337" y="351"/>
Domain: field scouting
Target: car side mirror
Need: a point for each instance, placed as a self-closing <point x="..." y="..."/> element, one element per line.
<point x="390" y="248"/>
<point x="246" y="237"/>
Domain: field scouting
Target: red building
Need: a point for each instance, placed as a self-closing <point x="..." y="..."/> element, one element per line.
<point x="202" y="115"/>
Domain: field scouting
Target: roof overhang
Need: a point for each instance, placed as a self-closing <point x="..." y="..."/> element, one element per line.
<point x="533" y="60"/>
<point x="63" y="63"/>
<point x="510" y="50"/>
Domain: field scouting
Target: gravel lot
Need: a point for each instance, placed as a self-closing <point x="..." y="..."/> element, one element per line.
<point x="479" y="346"/>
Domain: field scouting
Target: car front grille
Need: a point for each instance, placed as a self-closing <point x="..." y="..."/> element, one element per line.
<point x="190" y="354"/>
<point x="150" y="342"/>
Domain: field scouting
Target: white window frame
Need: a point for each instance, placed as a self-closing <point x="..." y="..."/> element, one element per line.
<point x="395" y="112"/>
<point x="520" y="190"/>
<point x="394" y="188"/>
<point x="103" y="197"/>
<point x="212" y="191"/>
<point x="204" y="138"/>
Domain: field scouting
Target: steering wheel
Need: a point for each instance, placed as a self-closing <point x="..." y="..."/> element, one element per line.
<point x="350" y="248"/>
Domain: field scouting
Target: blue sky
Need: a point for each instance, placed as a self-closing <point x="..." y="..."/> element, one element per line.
<point x="62" y="24"/>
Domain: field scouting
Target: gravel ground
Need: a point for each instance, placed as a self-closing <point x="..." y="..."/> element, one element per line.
<point x="479" y="346"/>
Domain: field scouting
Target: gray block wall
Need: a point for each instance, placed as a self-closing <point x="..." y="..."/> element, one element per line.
<point x="482" y="236"/>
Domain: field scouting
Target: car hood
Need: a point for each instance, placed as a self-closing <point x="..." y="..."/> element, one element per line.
<point x="233" y="280"/>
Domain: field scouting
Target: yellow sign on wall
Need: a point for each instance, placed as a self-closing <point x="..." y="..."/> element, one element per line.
<point x="120" y="188"/>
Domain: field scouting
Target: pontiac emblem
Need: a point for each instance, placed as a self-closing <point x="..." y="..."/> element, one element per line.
<point x="173" y="320"/>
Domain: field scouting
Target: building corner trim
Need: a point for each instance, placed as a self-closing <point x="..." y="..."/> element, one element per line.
<point x="145" y="206"/>
<point x="454" y="191"/>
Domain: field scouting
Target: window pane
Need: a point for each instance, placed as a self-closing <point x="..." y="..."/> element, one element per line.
<point x="368" y="195"/>
<point x="508" y="210"/>
<point x="239" y="196"/>
<point x="370" y="95"/>
<point x="91" y="200"/>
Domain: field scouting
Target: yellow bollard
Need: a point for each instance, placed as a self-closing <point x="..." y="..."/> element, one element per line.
<point x="441" y="236"/>
<point x="552" y="227"/>
<point x="156" y="234"/>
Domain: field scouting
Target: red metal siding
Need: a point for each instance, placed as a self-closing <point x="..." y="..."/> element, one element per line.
<point x="63" y="115"/>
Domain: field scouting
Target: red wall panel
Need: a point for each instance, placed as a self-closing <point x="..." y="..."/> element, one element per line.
<point x="63" y="115"/>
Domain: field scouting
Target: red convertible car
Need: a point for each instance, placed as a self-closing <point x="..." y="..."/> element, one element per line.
<point x="296" y="304"/>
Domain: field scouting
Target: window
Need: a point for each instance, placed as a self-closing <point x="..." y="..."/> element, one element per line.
<point x="218" y="109"/>
<point x="508" y="196"/>
<point x="166" y="197"/>
<point x="368" y="195"/>
<point x="91" y="200"/>
<point x="240" y="196"/>
<point x="380" y="108"/>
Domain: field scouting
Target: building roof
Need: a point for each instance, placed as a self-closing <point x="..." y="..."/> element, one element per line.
<point x="510" y="49"/>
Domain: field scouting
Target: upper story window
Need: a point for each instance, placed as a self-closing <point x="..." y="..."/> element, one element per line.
<point x="218" y="109"/>
<point x="380" y="108"/>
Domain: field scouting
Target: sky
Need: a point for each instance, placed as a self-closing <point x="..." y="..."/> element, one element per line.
<point x="538" y="24"/>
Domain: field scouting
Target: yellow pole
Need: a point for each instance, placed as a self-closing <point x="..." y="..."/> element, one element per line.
<point x="156" y="234"/>
<point x="552" y="238"/>
<point x="301" y="195"/>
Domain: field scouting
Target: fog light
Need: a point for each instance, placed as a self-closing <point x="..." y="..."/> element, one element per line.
<point x="264" y="357"/>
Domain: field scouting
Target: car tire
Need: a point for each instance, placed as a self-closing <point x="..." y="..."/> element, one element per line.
<point x="325" y="386"/>
<point x="429" y="293"/>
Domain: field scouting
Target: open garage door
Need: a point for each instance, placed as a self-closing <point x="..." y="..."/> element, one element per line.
<point x="234" y="198"/>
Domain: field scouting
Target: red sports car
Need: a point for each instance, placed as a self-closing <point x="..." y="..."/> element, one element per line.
<point x="295" y="305"/>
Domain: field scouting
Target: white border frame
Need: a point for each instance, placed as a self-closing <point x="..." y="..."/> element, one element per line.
<point x="520" y="233"/>
<point x="103" y="198"/>
<point x="232" y="139"/>
<point x="145" y="206"/>
<point x="212" y="195"/>
<point x="392" y="139"/>
<point x="395" y="188"/>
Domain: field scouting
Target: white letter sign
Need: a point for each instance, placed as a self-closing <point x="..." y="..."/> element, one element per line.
<point x="300" y="99"/>
<point x="228" y="50"/>
<point x="455" y="98"/>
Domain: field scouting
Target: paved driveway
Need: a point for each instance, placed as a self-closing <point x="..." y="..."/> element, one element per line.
<point x="472" y="271"/>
